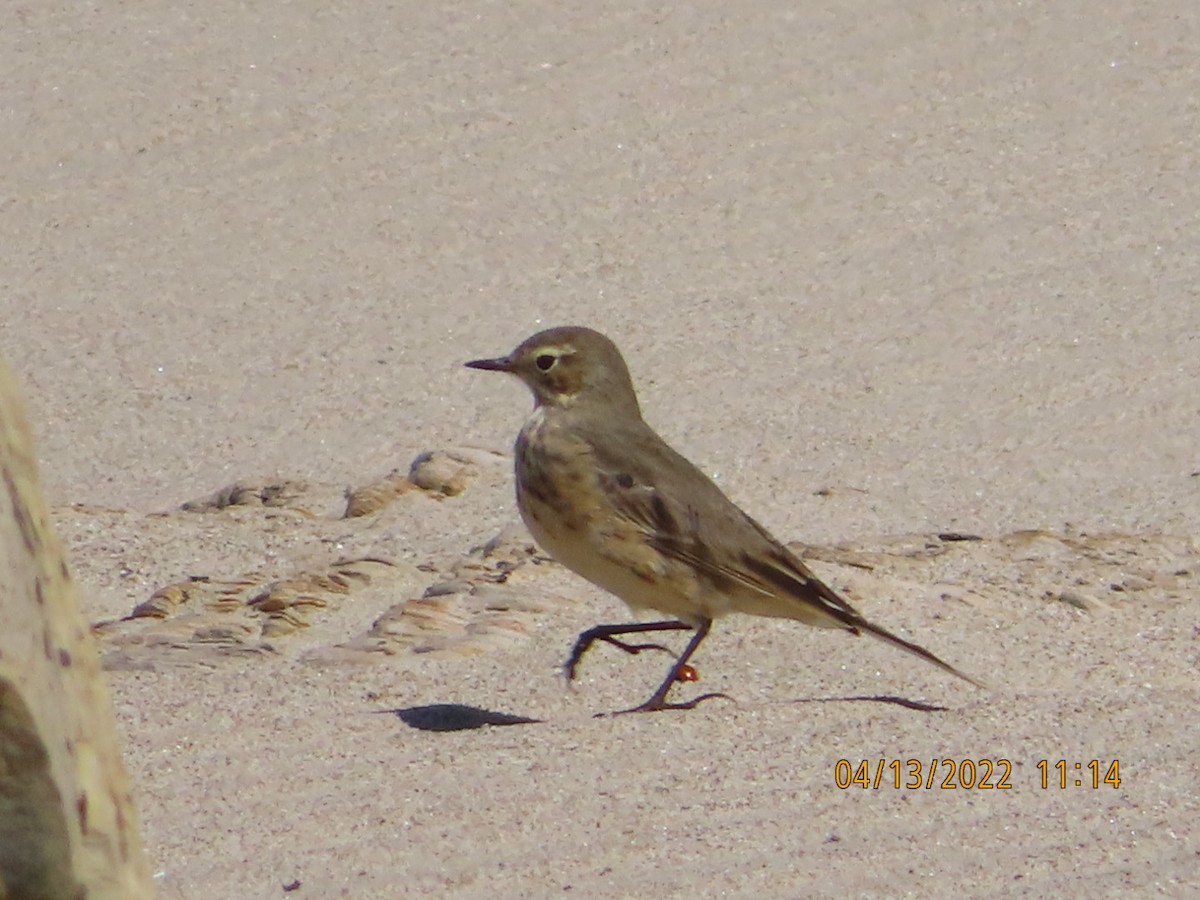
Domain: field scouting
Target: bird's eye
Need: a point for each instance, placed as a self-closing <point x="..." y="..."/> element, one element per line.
<point x="545" y="361"/>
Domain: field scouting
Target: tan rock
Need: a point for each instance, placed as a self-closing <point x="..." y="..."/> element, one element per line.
<point x="68" y="827"/>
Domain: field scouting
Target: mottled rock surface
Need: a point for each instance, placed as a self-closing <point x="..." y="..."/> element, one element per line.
<point x="68" y="828"/>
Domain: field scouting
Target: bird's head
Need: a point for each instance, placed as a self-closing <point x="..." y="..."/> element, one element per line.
<point x="569" y="367"/>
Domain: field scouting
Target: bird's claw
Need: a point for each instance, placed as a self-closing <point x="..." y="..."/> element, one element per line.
<point x="656" y="704"/>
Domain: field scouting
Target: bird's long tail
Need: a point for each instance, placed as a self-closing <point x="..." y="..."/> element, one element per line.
<point x="815" y="602"/>
<point x="915" y="649"/>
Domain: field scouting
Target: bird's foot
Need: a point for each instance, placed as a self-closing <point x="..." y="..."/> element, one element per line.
<point x="655" y="704"/>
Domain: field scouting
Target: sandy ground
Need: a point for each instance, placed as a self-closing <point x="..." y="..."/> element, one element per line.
<point x="883" y="271"/>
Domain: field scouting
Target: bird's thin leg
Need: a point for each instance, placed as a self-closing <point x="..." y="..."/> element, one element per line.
<point x="607" y="634"/>
<point x="659" y="699"/>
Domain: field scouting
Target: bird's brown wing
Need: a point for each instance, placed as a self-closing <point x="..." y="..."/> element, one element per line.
<point x="682" y="514"/>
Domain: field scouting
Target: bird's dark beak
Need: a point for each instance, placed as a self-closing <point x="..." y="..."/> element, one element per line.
<point x="500" y="364"/>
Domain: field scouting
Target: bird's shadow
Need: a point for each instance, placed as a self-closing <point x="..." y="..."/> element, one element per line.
<point x="877" y="698"/>
<point x="460" y="717"/>
<point x="454" y="717"/>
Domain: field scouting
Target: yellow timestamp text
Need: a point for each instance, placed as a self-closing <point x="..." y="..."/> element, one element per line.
<point x="925" y="774"/>
<point x="970" y="774"/>
<point x="1093" y="774"/>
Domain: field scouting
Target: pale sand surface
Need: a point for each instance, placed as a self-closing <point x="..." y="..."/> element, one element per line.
<point x="883" y="270"/>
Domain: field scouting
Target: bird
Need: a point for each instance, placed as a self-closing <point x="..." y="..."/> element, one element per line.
<point x="610" y="500"/>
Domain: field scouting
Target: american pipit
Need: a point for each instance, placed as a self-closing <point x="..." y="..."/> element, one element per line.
<point x="606" y="497"/>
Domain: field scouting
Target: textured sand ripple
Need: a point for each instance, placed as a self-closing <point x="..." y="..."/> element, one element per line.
<point x="303" y="497"/>
<point x="377" y="609"/>
<point x="1088" y="572"/>
<point x="495" y="596"/>
<point x="491" y="600"/>
<point x="440" y="473"/>
<point x="204" y="619"/>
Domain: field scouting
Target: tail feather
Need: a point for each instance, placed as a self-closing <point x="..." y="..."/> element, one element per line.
<point x="817" y="603"/>
<point x="916" y="650"/>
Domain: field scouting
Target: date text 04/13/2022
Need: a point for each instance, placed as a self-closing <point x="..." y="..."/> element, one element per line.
<point x="971" y="774"/>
